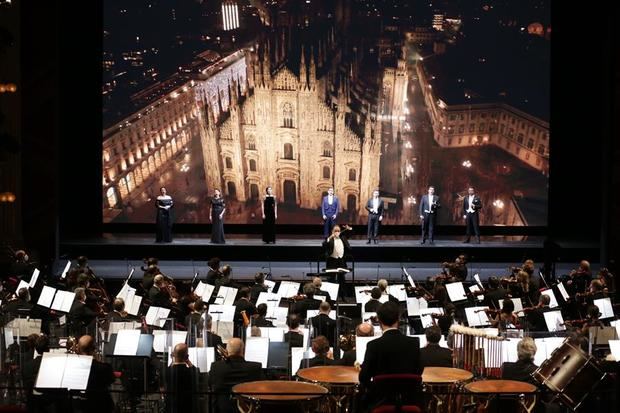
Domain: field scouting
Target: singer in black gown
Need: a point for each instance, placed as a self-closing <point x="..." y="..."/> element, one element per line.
<point x="270" y="214"/>
<point x="216" y="214"/>
<point x="164" y="217"/>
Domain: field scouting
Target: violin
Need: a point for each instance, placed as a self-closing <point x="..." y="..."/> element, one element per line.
<point x="298" y="297"/>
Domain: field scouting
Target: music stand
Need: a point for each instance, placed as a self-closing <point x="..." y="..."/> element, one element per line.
<point x="144" y="351"/>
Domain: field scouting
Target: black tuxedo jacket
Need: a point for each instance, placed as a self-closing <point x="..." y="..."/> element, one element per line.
<point x="391" y="353"/>
<point x="476" y="205"/>
<point x="425" y="204"/>
<point x="519" y="370"/>
<point x="433" y="355"/>
<point x="324" y="326"/>
<point x="225" y="374"/>
<point x="379" y="208"/>
<point x="329" y="245"/>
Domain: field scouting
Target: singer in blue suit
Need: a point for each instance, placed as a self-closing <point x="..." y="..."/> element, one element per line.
<point x="329" y="208"/>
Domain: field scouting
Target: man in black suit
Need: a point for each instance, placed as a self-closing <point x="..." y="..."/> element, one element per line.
<point x="294" y="337"/>
<point x="243" y="304"/>
<point x="225" y="374"/>
<point x="320" y="348"/>
<point x="157" y="296"/>
<point x="428" y="214"/>
<point x="181" y="383"/>
<point x="80" y="316"/>
<point x="98" y="398"/>
<point x="471" y="207"/>
<point x="261" y="319"/>
<point x="536" y="316"/>
<point x="117" y="315"/>
<point x="212" y="339"/>
<point x="323" y="325"/>
<point x="309" y="303"/>
<point x="374" y="206"/>
<point x="21" y="306"/>
<point x="392" y="353"/>
<point x="522" y="369"/>
<point x="433" y="355"/>
<point x="258" y="287"/>
<point x="495" y="294"/>
<point x="318" y="283"/>
<point x="373" y="304"/>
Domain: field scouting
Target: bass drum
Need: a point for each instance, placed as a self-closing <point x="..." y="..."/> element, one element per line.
<point x="571" y="373"/>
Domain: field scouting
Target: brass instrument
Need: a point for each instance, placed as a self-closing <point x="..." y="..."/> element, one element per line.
<point x="246" y="319"/>
<point x="347" y="342"/>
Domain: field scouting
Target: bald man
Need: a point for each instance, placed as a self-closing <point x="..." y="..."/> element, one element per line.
<point x="181" y="382"/>
<point x="225" y="374"/>
<point x="98" y="398"/>
<point x="157" y="295"/>
<point x="362" y="330"/>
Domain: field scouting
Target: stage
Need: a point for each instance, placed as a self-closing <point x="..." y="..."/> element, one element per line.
<point x="400" y="249"/>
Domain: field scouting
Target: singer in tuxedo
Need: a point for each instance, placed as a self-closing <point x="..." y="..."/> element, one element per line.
<point x="374" y="206"/>
<point x="428" y="214"/>
<point x="329" y="208"/>
<point x="471" y="205"/>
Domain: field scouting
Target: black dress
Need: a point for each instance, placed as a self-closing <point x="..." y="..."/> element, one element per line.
<point x="164" y="220"/>
<point x="269" y="222"/>
<point x="217" y="224"/>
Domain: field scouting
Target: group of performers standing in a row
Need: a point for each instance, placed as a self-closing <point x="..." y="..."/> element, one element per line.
<point x="330" y="207"/>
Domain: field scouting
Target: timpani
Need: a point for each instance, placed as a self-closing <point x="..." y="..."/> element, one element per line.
<point x="485" y="391"/>
<point x="341" y="381"/>
<point x="276" y="396"/>
<point x="443" y="384"/>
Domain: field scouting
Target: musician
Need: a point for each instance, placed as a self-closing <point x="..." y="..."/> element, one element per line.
<point x="383" y="286"/>
<point x="349" y="356"/>
<point x="580" y="278"/>
<point x="374" y="206"/>
<point x="592" y="320"/>
<point x="80" y="316"/>
<point x="181" y="383"/>
<point x="22" y="267"/>
<point x="19" y="306"/>
<point x="495" y="293"/>
<point x="258" y="287"/>
<point x="428" y="214"/>
<point x="471" y="207"/>
<point x="323" y="325"/>
<point x="596" y="290"/>
<point x="118" y="313"/>
<point x="163" y="220"/>
<point x="98" y="398"/>
<point x="457" y="270"/>
<point x="214" y="270"/>
<point x="217" y="209"/>
<point x="227" y="373"/>
<point x="529" y="267"/>
<point x="157" y="295"/>
<point x="337" y="245"/>
<point x="243" y="304"/>
<point x="535" y="317"/>
<point x="308" y="302"/>
<point x="433" y="355"/>
<point x="317" y="282"/>
<point x="522" y="369"/>
<point x="293" y="336"/>
<point x="149" y="277"/>
<point x="607" y="279"/>
<point x="261" y="319"/>
<point x="329" y="209"/>
<point x="506" y="318"/>
<point x="194" y="320"/>
<point x="322" y="356"/>
<point x="255" y="331"/>
<point x="373" y="304"/>
<point x="524" y="290"/>
<point x="392" y="353"/>
<point x="224" y="280"/>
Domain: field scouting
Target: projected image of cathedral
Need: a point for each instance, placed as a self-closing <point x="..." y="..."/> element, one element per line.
<point x="321" y="98"/>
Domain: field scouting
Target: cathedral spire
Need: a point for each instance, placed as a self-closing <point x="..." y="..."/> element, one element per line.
<point x="266" y="64"/>
<point x="303" y="75"/>
<point x="312" y="74"/>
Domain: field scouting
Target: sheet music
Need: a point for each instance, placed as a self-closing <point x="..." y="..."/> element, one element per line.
<point x="509" y="349"/>
<point x="226" y="296"/>
<point x="554" y="321"/>
<point x="66" y="270"/>
<point x="425" y="315"/>
<point x="518" y="304"/>
<point x="270" y="285"/>
<point x="456" y="291"/>
<point x="126" y="342"/>
<point x="546" y="346"/>
<point x="135" y="305"/>
<point x="116" y="326"/>
<point x="204" y="290"/>
<point x="409" y="278"/>
<point x="22" y="284"/>
<point x="63" y="301"/>
<point x="288" y="289"/>
<point x="477" y="278"/>
<point x="34" y="278"/>
<point x="123" y="292"/>
<point x="477" y="317"/>
<point x="222" y="312"/>
<point x="25" y="326"/>
<point x="331" y="288"/>
<point x="314" y="313"/>
<point x="77" y="370"/>
<point x="274" y="334"/>
<point x="362" y="295"/>
<point x="614" y="346"/>
<point x="297" y="355"/>
<point x="272" y="300"/>
<point x="605" y="307"/>
<point x="475" y="288"/>
<point x="563" y="291"/>
<point x="398" y="292"/>
<point x="162" y="339"/>
<point x="47" y="296"/>
<point x="616" y="324"/>
<point x="360" y="347"/>
<point x="257" y="349"/>
<point x="414" y="305"/>
<point x="202" y="357"/>
<point x="51" y="370"/>
<point x="8" y="337"/>
<point x="423" y="341"/>
<point x="155" y="314"/>
<point x="279" y="314"/>
<point x="553" y="303"/>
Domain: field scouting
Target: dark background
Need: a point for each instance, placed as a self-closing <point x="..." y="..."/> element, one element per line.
<point x="61" y="176"/>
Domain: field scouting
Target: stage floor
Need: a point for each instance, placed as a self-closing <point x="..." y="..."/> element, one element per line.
<point x="308" y="249"/>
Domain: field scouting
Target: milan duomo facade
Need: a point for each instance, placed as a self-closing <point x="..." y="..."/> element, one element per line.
<point x="287" y="136"/>
<point x="259" y="126"/>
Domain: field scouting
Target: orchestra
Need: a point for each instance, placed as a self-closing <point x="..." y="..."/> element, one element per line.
<point x="588" y="309"/>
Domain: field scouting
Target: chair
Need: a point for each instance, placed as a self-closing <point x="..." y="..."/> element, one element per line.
<point x="399" y="391"/>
